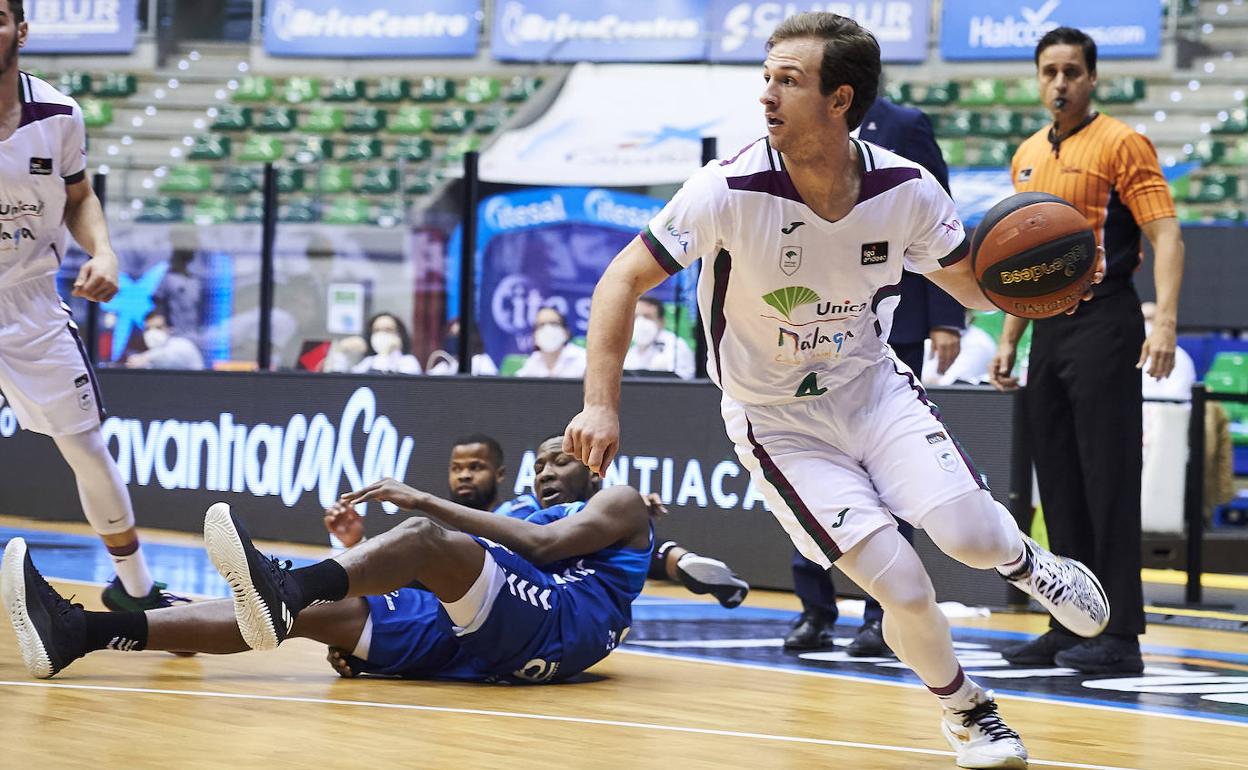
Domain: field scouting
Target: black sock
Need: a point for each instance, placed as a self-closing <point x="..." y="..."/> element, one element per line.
<point x="115" y="631"/>
<point x="324" y="581"/>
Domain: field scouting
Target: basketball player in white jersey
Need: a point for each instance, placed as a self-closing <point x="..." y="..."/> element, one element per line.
<point x="803" y="235"/>
<point x="44" y="372"/>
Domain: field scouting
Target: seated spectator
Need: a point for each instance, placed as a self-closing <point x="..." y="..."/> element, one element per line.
<point x="555" y="355"/>
<point x="389" y="347"/>
<point x="345" y="354"/>
<point x="442" y="362"/>
<point x="972" y="364"/>
<point x="654" y="348"/>
<point x="165" y="348"/>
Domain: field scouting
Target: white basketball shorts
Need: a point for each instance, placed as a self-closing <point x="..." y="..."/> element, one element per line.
<point x="835" y="468"/>
<point x="44" y="372"/>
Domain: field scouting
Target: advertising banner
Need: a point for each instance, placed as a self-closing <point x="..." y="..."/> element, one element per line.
<point x="740" y="28"/>
<point x="81" y="26"/>
<point x="1010" y="29"/>
<point x="372" y="28"/>
<point x="280" y="447"/>
<point x="608" y="30"/>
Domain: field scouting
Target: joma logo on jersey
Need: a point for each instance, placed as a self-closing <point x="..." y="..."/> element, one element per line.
<point x="874" y="253"/>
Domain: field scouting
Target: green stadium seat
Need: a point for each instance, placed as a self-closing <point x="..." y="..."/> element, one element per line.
<point x="1181" y="187"/>
<point x="420" y="184"/>
<point x="232" y="118"/>
<point x="241" y="180"/>
<point x="362" y="149"/>
<point x="187" y="178"/>
<point x="435" y="89"/>
<point x="365" y="120"/>
<point x="954" y="151"/>
<point x="955" y="123"/>
<point x="379" y="181"/>
<point x="1207" y="152"/>
<point x="345" y="90"/>
<point x="512" y="362"/>
<point x="1187" y="215"/>
<point x="289" y="179"/>
<point x="96" y="113"/>
<point x="1000" y="123"/>
<point x="1236" y="123"/>
<point x="455" y="150"/>
<point x="453" y="121"/>
<point x="898" y="92"/>
<point x="262" y="149"/>
<point x="1237" y="155"/>
<point x="982" y="92"/>
<point x="117" y="85"/>
<point x="301" y="90"/>
<point x="210" y="147"/>
<point x="161" y="209"/>
<point x="299" y="210"/>
<point x="1233" y="215"/>
<point x="313" y="149"/>
<point x="389" y="214"/>
<point x="489" y="122"/>
<point x="211" y="210"/>
<point x="1215" y="188"/>
<point x="1023" y="92"/>
<point x="276" y="120"/>
<point x="1036" y="121"/>
<point x="390" y="90"/>
<point x="480" y="90"/>
<point x="251" y="210"/>
<point x="255" y="89"/>
<point x="996" y="154"/>
<point x="323" y="120"/>
<point x="74" y="83"/>
<point x="938" y="94"/>
<point x="347" y="210"/>
<point x="413" y="149"/>
<point x="411" y="120"/>
<point x="1124" y="90"/>
<point x="520" y="88"/>
<point x="334" y="179"/>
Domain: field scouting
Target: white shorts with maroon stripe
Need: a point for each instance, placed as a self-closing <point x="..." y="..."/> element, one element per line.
<point x="44" y="372"/>
<point x="835" y="468"/>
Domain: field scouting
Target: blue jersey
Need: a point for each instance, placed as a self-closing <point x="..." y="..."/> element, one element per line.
<point x="520" y="507"/>
<point x="547" y="622"/>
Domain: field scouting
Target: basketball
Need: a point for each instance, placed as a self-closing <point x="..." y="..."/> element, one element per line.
<point x="1034" y="255"/>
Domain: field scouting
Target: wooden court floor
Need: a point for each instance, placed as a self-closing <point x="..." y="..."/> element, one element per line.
<point x="638" y="710"/>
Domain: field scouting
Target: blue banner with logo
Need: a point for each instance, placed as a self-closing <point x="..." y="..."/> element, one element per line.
<point x="608" y="30"/>
<point x="372" y="28"/>
<point x="81" y="26"/>
<point x="1010" y="29"/>
<point x="549" y="246"/>
<point x="739" y="28"/>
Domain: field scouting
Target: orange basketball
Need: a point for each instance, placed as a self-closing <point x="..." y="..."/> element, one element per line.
<point x="1034" y="255"/>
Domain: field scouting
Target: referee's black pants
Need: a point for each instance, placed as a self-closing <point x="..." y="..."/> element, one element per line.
<point x="1084" y="413"/>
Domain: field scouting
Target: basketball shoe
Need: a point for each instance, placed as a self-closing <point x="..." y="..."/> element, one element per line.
<point x="116" y="599"/>
<point x="703" y="575"/>
<point x="981" y="737"/>
<point x="1064" y="587"/>
<point x="50" y="630"/>
<point x="266" y="600"/>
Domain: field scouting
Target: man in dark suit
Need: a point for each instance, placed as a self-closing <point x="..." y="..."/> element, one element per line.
<point x="925" y="312"/>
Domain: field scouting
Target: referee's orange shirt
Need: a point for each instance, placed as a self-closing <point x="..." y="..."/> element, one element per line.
<point x="1111" y="174"/>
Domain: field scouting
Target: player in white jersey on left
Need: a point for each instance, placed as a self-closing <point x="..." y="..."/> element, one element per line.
<point x="44" y="371"/>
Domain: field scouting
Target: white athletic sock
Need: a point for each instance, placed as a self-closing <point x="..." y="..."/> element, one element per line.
<point x="963" y="693"/>
<point x="132" y="569"/>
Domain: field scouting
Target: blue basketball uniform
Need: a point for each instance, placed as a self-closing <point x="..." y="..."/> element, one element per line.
<point x="519" y="508"/>
<point x="547" y="622"/>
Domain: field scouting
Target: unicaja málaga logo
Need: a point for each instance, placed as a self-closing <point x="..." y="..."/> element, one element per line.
<point x="279" y="460"/>
<point x="291" y="23"/>
<point x="520" y="26"/>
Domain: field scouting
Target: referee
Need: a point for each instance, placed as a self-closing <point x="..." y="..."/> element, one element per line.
<point x="1083" y="403"/>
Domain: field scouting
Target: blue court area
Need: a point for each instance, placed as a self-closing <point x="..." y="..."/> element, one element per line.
<point x="1179" y="681"/>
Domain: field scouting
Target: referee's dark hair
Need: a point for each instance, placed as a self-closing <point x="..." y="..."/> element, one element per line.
<point x="851" y="56"/>
<point x="17" y="11"/>
<point x="1070" y="36"/>
<point x="490" y="443"/>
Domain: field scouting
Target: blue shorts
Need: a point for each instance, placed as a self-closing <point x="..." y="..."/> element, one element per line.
<point x="521" y="638"/>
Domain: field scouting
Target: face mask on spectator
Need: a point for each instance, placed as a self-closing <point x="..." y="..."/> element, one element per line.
<point x="155" y="338"/>
<point x="645" y="330"/>
<point x="549" y="338"/>
<point x="385" y="343"/>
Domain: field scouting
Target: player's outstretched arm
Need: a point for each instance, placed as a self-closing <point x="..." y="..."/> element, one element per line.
<point x="97" y="280"/>
<point x="538" y="543"/>
<point x="958" y="280"/>
<point x="593" y="436"/>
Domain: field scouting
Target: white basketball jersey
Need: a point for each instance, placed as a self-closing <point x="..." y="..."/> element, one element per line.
<point x="47" y="152"/>
<point x="792" y="305"/>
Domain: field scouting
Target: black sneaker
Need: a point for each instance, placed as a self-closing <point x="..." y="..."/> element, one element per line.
<point x="813" y="630"/>
<point x="265" y="599"/>
<point x="1040" y="651"/>
<point x="1106" y="654"/>
<point x="702" y="575"/>
<point x="869" y="642"/>
<point x="50" y="631"/>
<point x="117" y="599"/>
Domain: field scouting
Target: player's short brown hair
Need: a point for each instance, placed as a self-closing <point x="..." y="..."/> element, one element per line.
<point x="851" y="56"/>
